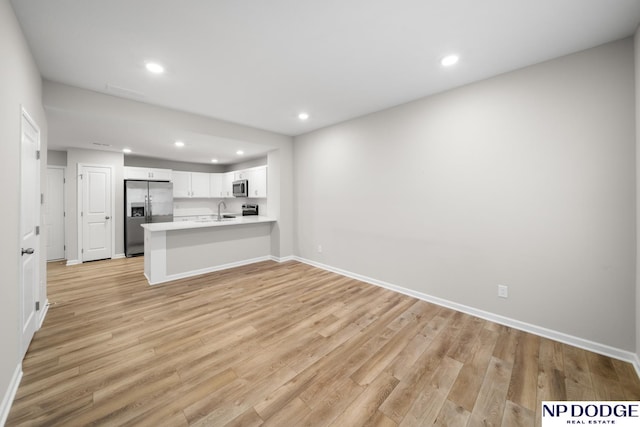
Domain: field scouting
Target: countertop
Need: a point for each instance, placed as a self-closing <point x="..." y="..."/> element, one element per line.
<point x="182" y="225"/>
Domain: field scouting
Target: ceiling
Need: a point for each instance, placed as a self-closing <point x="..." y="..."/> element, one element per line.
<point x="259" y="63"/>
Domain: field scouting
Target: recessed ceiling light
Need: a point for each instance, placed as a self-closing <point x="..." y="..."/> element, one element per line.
<point x="239" y="152"/>
<point x="303" y="116"/>
<point x="126" y="150"/>
<point x="154" y="67"/>
<point x="449" y="60"/>
<point x="214" y="160"/>
<point x="179" y="144"/>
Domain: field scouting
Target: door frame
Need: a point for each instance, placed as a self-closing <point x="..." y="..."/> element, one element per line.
<point x="39" y="314"/>
<point x="64" y="205"/>
<point x="80" y="193"/>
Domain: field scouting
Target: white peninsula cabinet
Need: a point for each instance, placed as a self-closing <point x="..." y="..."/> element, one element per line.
<point x="190" y="184"/>
<point x="149" y="174"/>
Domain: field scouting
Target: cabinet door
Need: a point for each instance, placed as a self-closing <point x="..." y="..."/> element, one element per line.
<point x="227" y="184"/>
<point x="238" y="175"/>
<point x="135" y="173"/>
<point x="257" y="182"/>
<point x="215" y="185"/>
<point x="199" y="184"/>
<point x="181" y="184"/>
<point x="160" y="174"/>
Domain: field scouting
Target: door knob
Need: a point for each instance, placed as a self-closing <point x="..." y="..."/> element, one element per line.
<point x="27" y="251"/>
<point x="107" y="217"/>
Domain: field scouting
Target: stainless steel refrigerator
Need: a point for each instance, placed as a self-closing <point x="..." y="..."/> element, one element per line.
<point x="144" y="202"/>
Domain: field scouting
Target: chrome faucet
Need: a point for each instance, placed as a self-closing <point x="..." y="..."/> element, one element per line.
<point x="225" y="206"/>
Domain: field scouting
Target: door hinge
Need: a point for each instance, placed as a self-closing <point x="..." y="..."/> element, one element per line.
<point x="64" y="180"/>
<point x="64" y="247"/>
<point x="42" y="198"/>
<point x="37" y="305"/>
<point x="64" y="214"/>
<point x="80" y="176"/>
<point x="81" y="213"/>
<point x="38" y="155"/>
<point x="37" y="230"/>
<point x="81" y="251"/>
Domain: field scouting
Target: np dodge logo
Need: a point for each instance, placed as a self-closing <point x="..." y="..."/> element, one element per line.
<point x="618" y="413"/>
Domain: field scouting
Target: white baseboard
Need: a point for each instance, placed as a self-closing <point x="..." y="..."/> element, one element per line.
<point x="284" y="259"/>
<point x="73" y="262"/>
<point x="171" y="277"/>
<point x="117" y="256"/>
<point x="636" y="363"/>
<point x="10" y="394"/>
<point x="595" y="347"/>
<point x="43" y="313"/>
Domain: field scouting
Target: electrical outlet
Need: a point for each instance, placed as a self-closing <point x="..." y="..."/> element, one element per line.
<point x="503" y="291"/>
<point x="319" y="249"/>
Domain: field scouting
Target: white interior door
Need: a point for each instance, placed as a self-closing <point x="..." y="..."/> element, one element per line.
<point x="54" y="214"/>
<point x="29" y="222"/>
<point x="96" y="213"/>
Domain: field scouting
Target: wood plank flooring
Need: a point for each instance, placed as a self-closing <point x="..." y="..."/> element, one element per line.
<point x="285" y="345"/>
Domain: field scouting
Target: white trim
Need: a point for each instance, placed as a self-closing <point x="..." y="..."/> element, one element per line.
<point x="79" y="189"/>
<point x="64" y="210"/>
<point x="171" y="277"/>
<point x="7" y="400"/>
<point x="117" y="256"/>
<point x="73" y="262"/>
<point x="595" y="347"/>
<point x="283" y="259"/>
<point x="38" y="240"/>
<point x="636" y="363"/>
<point x="43" y="313"/>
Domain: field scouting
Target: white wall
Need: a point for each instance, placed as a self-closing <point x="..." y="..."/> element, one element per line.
<point x="637" y="92"/>
<point x="526" y="179"/>
<point x="56" y="158"/>
<point x="92" y="158"/>
<point x="20" y="86"/>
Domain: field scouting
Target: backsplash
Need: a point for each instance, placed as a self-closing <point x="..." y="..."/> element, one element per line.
<point x="192" y="207"/>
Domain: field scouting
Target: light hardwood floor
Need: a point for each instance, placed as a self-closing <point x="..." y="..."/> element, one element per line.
<point x="286" y="345"/>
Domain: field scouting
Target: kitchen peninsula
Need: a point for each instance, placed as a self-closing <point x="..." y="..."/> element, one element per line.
<point x="175" y="250"/>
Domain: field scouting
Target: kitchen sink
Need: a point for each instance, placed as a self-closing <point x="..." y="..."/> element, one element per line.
<point x="215" y="220"/>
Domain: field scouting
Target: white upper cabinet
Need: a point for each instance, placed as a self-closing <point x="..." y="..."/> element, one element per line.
<point x="149" y="174"/>
<point x="181" y="184"/>
<point x="215" y="185"/>
<point x="218" y="185"/>
<point x="238" y="175"/>
<point x="257" y="178"/>
<point x="227" y="184"/>
<point x="200" y="184"/>
<point x="190" y="184"/>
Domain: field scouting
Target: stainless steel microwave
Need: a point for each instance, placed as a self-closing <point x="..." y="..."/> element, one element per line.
<point x="241" y="188"/>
